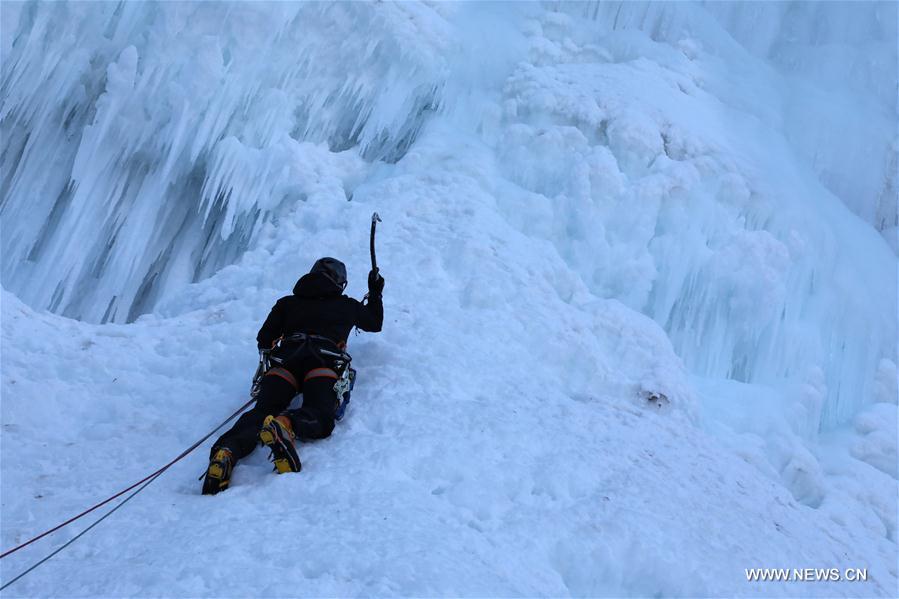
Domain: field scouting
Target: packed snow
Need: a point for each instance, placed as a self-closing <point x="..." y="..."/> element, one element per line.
<point x="640" y="304"/>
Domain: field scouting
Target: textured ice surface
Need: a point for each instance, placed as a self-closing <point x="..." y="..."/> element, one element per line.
<point x="584" y="204"/>
<point x="667" y="178"/>
<point x="159" y="137"/>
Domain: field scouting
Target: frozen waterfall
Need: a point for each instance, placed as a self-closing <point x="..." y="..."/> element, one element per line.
<point x="157" y="138"/>
<point x="681" y="172"/>
<point x="587" y="206"/>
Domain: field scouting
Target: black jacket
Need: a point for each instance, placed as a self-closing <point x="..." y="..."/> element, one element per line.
<point x="317" y="307"/>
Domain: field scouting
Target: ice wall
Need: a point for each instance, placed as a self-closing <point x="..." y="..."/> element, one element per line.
<point x="837" y="63"/>
<point x="694" y="161"/>
<point x="674" y="175"/>
<point x="840" y="63"/>
<point x="156" y="138"/>
<point x="546" y="173"/>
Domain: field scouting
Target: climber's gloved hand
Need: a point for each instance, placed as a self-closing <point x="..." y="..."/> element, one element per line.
<point x="375" y="283"/>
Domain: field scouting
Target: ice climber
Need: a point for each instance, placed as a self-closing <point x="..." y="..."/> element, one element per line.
<point x="300" y="337"/>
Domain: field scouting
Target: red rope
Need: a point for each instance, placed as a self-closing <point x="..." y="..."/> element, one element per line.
<point x="122" y="492"/>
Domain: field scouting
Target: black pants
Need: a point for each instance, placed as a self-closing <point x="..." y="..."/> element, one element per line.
<point x="314" y="420"/>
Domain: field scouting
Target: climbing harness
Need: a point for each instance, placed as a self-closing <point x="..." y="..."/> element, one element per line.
<point x="335" y="364"/>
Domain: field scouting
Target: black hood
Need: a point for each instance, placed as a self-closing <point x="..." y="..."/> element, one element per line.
<point x="315" y="284"/>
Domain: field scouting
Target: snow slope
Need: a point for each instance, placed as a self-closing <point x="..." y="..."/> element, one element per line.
<point x="583" y="203"/>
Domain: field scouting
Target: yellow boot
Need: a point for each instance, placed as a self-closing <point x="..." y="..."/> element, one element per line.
<point x="218" y="474"/>
<point x="277" y="434"/>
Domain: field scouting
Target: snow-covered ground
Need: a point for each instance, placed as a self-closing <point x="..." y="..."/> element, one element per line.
<point x="583" y="203"/>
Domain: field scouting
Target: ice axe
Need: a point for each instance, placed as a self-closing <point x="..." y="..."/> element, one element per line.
<point x="375" y="219"/>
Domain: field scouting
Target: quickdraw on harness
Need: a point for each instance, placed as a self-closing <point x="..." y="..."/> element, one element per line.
<point x="339" y="361"/>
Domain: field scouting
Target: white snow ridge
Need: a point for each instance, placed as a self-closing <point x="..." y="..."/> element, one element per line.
<point x="586" y="205"/>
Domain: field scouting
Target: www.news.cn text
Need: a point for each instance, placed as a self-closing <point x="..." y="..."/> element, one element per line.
<point x="806" y="574"/>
